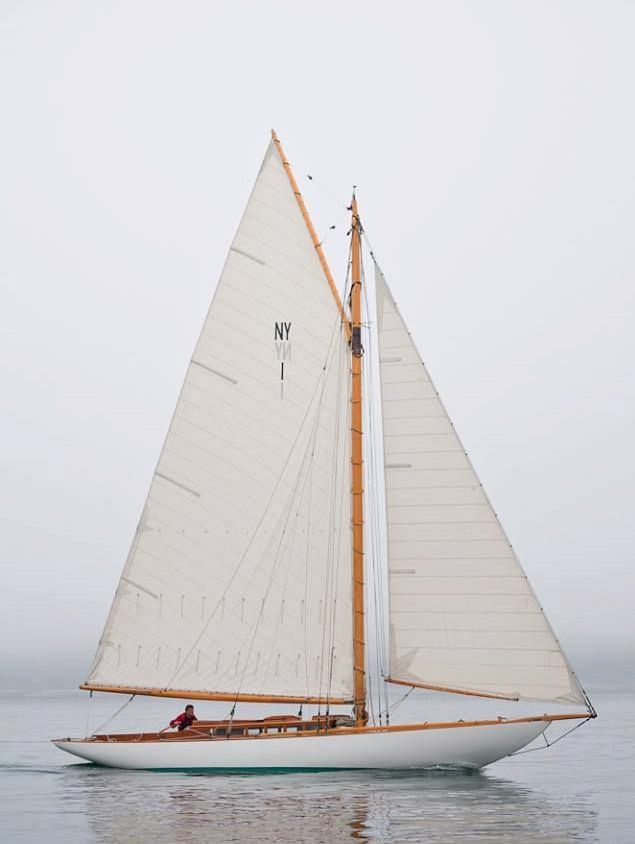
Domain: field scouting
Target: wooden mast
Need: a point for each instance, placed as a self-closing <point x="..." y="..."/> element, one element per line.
<point x="359" y="668"/>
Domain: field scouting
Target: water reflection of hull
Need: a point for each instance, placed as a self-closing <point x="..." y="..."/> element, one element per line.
<point x="460" y="746"/>
<point x="388" y="806"/>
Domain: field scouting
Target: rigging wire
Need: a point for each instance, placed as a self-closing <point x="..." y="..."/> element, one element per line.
<point x="328" y="630"/>
<point x="555" y="741"/>
<point x="296" y="496"/>
<point x="112" y="717"/>
<point x="305" y="606"/>
<point x="88" y="713"/>
<point x="339" y="473"/>
<point x="332" y="227"/>
<point x="399" y="702"/>
<point x="372" y="501"/>
<point x="283" y="523"/>
<point x="277" y="558"/>
<point x="382" y="599"/>
<point x="374" y="675"/>
<point x="255" y="532"/>
<point x="335" y="525"/>
<point x="376" y="504"/>
<point x="318" y="186"/>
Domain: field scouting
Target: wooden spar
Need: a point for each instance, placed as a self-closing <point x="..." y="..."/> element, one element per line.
<point x="359" y="672"/>
<point x="450" y="689"/>
<point x="184" y="694"/>
<point x="312" y="233"/>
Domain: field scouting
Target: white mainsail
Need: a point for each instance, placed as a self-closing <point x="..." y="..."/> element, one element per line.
<point x="239" y="577"/>
<point x="462" y="613"/>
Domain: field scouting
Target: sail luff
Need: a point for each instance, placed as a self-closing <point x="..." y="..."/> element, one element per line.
<point x="357" y="463"/>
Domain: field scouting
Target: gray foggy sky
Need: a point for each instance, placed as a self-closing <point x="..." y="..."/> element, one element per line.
<point x="492" y="144"/>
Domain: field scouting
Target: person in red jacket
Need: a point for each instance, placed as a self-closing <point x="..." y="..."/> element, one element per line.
<point x="185" y="719"/>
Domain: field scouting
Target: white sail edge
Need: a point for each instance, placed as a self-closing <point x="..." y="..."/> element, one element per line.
<point x="238" y="580"/>
<point x="463" y="617"/>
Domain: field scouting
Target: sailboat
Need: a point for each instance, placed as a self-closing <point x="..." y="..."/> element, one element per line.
<point x="248" y="576"/>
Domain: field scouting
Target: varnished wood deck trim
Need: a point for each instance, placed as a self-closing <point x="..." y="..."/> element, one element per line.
<point x="189" y="735"/>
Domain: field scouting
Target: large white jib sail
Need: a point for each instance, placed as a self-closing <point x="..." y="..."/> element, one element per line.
<point x="463" y="616"/>
<point x="238" y="581"/>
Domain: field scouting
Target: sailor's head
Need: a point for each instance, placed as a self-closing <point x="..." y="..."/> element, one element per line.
<point x="189" y="709"/>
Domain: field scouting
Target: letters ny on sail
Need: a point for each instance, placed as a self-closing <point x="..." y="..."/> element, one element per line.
<point x="283" y="348"/>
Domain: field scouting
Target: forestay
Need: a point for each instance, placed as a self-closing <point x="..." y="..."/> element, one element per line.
<point x="239" y="576"/>
<point x="462" y="613"/>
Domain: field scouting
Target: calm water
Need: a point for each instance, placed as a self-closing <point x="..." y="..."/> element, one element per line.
<point x="581" y="790"/>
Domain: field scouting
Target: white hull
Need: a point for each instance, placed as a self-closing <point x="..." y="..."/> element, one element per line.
<point x="461" y="747"/>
